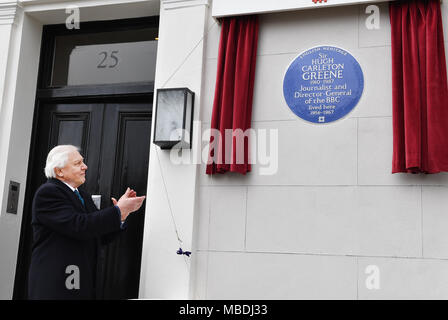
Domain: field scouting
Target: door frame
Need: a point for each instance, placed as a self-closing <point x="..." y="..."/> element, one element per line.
<point x="70" y="94"/>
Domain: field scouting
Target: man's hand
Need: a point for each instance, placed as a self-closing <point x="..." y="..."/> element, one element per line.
<point x="128" y="203"/>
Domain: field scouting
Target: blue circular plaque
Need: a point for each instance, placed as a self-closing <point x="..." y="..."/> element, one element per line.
<point x="323" y="84"/>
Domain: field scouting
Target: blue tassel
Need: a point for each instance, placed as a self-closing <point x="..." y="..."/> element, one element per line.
<point x="180" y="252"/>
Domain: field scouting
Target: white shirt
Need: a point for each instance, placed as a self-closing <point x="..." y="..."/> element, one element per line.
<point x="73" y="189"/>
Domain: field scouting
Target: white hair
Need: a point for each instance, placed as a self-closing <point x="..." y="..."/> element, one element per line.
<point x="57" y="158"/>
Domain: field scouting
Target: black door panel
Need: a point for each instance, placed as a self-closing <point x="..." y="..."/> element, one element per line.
<point x="79" y="125"/>
<point x="126" y="165"/>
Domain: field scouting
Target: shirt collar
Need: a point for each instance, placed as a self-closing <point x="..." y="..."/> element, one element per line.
<point x="73" y="189"/>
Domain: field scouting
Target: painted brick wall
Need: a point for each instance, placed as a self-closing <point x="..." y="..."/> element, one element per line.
<point x="333" y="208"/>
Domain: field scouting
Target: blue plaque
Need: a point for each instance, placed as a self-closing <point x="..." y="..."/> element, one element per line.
<point x="323" y="84"/>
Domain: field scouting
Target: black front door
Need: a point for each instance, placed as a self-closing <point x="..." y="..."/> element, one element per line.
<point x="114" y="138"/>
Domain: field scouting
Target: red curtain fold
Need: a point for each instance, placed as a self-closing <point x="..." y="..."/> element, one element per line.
<point x="419" y="87"/>
<point x="232" y="106"/>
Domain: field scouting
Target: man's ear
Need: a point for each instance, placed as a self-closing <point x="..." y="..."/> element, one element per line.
<point x="58" y="172"/>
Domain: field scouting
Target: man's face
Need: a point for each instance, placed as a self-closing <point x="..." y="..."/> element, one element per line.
<point x="74" y="172"/>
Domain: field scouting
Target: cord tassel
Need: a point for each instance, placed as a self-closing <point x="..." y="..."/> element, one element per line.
<point x="180" y="252"/>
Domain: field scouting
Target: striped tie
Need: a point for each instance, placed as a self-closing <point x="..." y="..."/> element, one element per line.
<point x="79" y="196"/>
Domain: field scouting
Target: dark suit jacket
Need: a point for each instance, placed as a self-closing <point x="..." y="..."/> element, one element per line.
<point x="66" y="234"/>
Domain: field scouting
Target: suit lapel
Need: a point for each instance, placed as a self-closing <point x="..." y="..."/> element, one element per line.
<point x="71" y="195"/>
<point x="87" y="197"/>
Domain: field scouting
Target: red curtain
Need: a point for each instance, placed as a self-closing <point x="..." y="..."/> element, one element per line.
<point x="419" y="87"/>
<point x="232" y="106"/>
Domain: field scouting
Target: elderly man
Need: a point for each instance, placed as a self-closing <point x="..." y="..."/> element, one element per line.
<point x="67" y="228"/>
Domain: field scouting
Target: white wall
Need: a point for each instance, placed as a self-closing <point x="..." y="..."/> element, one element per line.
<point x="16" y="116"/>
<point x="170" y="206"/>
<point x="333" y="208"/>
<point x="222" y="8"/>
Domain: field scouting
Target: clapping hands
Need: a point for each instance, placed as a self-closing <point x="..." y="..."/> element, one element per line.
<point x="128" y="203"/>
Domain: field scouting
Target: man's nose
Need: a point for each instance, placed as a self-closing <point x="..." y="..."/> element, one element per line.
<point x="85" y="166"/>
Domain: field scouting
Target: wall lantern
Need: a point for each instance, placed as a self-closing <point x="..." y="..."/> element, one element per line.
<point x="174" y="118"/>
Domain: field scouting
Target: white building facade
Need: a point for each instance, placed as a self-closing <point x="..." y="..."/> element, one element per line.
<point x="329" y="222"/>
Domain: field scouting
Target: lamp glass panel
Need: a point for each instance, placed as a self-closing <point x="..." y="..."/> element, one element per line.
<point x="169" y="121"/>
<point x="188" y="108"/>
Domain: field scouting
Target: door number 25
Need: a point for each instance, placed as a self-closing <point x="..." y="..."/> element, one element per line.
<point x="109" y="59"/>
